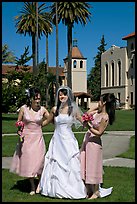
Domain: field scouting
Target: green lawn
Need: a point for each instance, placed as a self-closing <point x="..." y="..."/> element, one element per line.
<point x="15" y="188"/>
<point x="125" y="120"/>
<point x="130" y="154"/>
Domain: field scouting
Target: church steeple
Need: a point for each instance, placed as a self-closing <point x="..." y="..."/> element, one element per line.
<point x="75" y="43"/>
<point x="76" y="53"/>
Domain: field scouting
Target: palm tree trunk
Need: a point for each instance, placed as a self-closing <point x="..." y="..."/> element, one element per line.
<point x="69" y="71"/>
<point x="37" y="34"/>
<point x="57" y="71"/>
<point x="47" y="66"/>
<point x="47" y="54"/>
<point x="33" y="54"/>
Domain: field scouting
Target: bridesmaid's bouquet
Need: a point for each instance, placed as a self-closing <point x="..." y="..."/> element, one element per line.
<point x="87" y="119"/>
<point x="20" y="126"/>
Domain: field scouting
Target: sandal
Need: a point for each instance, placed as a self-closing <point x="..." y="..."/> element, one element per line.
<point x="38" y="189"/>
<point x="32" y="193"/>
<point x="95" y="195"/>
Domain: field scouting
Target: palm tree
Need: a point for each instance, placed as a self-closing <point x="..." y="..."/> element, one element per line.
<point x="70" y="13"/>
<point x="26" y="23"/>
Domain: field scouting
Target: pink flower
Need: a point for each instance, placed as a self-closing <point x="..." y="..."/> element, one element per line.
<point x="20" y="126"/>
<point x="87" y="118"/>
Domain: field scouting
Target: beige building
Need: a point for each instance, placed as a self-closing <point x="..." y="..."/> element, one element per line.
<point x="118" y="72"/>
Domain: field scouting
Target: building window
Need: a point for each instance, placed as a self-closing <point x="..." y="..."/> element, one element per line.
<point x="119" y="73"/>
<point x="119" y="97"/>
<point x="106" y="75"/>
<point x="112" y="66"/>
<point x="131" y="94"/>
<point x="74" y="64"/>
<point x="81" y="64"/>
<point x="131" y="80"/>
<point x="131" y="63"/>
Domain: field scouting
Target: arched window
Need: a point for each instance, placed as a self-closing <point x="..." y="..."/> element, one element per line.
<point x="112" y="68"/>
<point x="74" y="64"/>
<point x="119" y="73"/>
<point x="81" y="64"/>
<point x="106" y="75"/>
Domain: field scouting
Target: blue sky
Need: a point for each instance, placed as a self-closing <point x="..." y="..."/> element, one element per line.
<point x="114" y="20"/>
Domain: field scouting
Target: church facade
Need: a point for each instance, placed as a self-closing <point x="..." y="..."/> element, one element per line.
<point x="118" y="72"/>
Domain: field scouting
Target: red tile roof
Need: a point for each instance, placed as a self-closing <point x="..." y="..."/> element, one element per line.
<point x="129" y="36"/>
<point x="82" y="94"/>
<point x="6" y="68"/>
<point x="76" y="53"/>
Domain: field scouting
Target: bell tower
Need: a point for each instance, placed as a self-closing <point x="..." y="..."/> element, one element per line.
<point x="79" y="69"/>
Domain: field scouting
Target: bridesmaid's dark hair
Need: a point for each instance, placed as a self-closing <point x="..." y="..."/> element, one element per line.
<point x="110" y="100"/>
<point x="65" y="92"/>
<point x="31" y="94"/>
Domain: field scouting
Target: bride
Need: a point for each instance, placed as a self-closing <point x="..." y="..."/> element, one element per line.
<point x="61" y="176"/>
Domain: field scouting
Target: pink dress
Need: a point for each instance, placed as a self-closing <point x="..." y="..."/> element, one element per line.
<point x="28" y="159"/>
<point x="91" y="155"/>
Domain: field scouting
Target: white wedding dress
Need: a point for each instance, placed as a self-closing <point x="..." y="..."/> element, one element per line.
<point x="61" y="177"/>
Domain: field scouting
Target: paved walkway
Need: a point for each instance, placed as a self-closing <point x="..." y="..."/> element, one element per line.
<point x="114" y="143"/>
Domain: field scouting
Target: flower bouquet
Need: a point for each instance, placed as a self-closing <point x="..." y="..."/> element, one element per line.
<point x="20" y="126"/>
<point x="87" y="119"/>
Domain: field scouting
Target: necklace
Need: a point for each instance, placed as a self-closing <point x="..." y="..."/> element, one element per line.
<point x="63" y="109"/>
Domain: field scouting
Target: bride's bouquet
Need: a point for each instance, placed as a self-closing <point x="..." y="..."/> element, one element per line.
<point x="87" y="119"/>
<point x="20" y="126"/>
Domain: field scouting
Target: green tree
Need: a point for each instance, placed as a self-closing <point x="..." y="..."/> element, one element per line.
<point x="46" y="83"/>
<point x="94" y="77"/>
<point x="26" y="24"/>
<point x="7" y="55"/>
<point x="24" y="58"/>
<point x="70" y="13"/>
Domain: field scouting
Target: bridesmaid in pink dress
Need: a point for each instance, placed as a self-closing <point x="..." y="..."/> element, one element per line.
<point x="91" y="149"/>
<point x="28" y="159"/>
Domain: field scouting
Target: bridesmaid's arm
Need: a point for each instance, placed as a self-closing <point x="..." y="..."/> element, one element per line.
<point x="101" y="128"/>
<point x="20" y="115"/>
<point x="46" y="113"/>
<point x="49" y="118"/>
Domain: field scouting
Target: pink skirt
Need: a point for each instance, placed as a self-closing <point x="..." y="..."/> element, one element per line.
<point x="28" y="159"/>
<point x="91" y="160"/>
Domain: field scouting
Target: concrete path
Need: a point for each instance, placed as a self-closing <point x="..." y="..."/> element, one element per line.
<point x="114" y="143"/>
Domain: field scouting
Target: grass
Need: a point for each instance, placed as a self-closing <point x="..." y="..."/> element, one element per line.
<point x="9" y="144"/>
<point x="15" y="188"/>
<point x="8" y="124"/>
<point x="130" y="154"/>
<point x="125" y="120"/>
